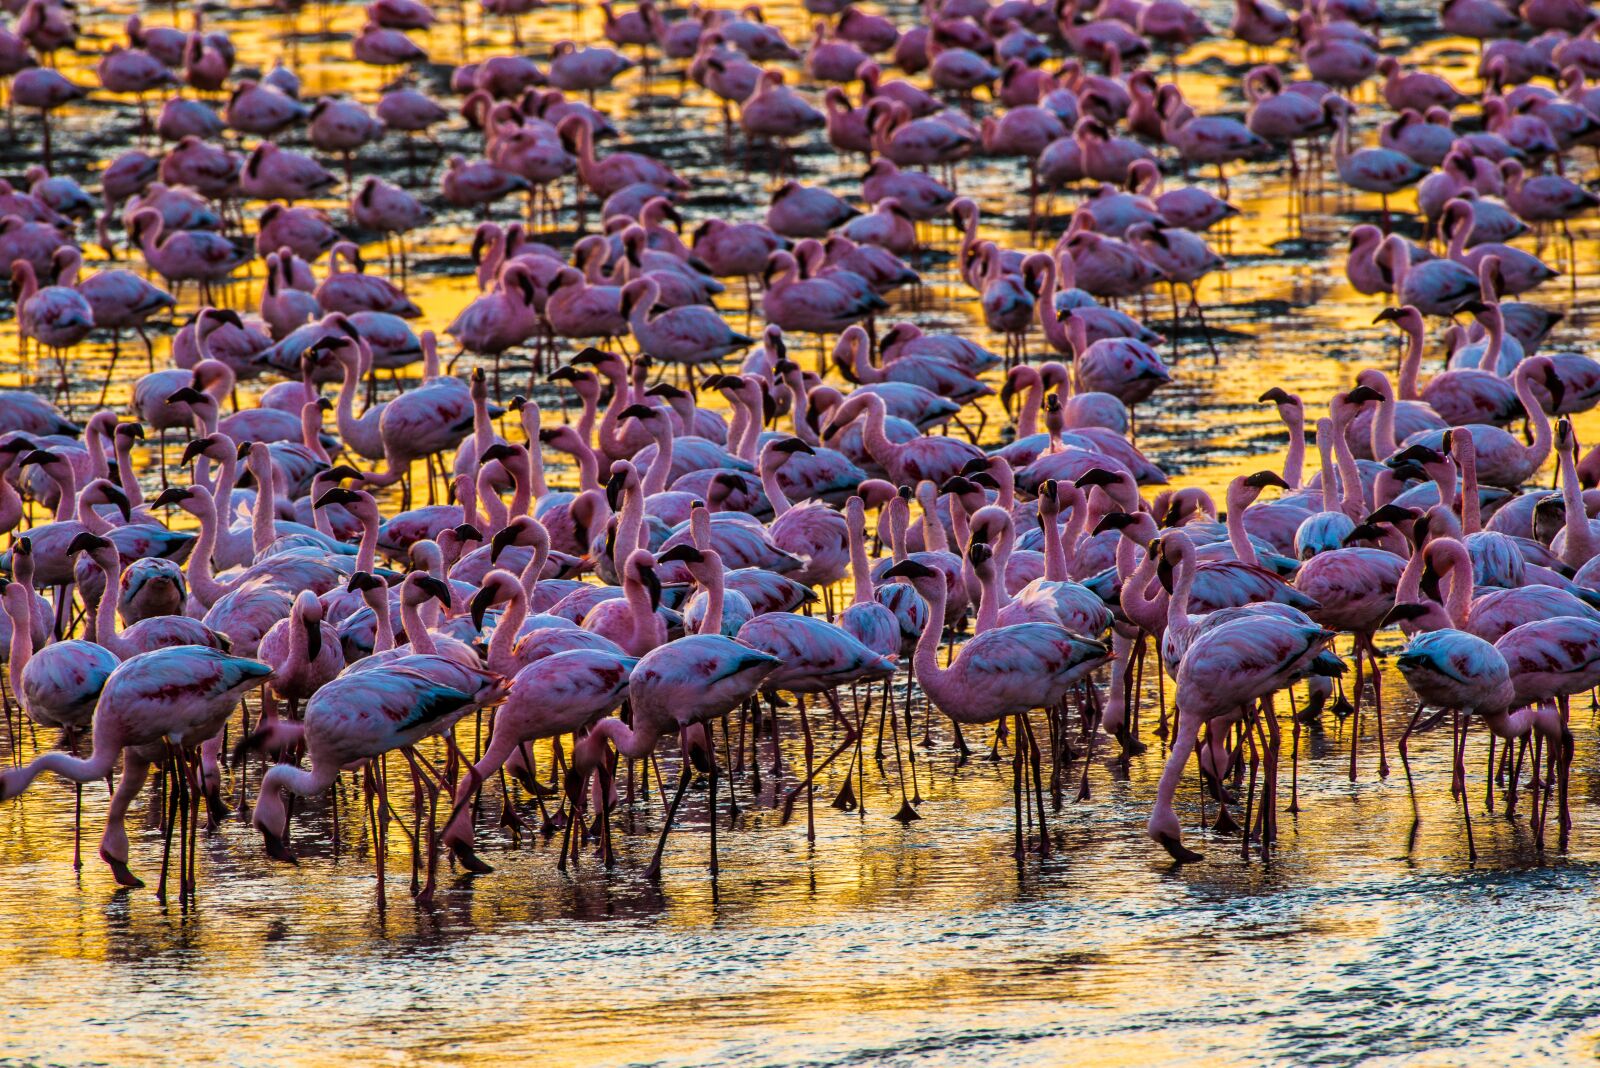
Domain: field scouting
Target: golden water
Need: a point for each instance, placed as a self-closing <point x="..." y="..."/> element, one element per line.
<point x="880" y="943"/>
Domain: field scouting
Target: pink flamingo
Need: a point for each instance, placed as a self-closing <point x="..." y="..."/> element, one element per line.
<point x="564" y="693"/>
<point x="1007" y="671"/>
<point x="1226" y="670"/>
<point x="352" y="291"/>
<point x="186" y="255"/>
<point x="674" y="690"/>
<point x="157" y="705"/>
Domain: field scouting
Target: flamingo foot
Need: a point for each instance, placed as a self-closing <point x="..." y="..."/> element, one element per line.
<point x="846" y="800"/>
<point x="906" y="813"/>
<point x="1225" y="823"/>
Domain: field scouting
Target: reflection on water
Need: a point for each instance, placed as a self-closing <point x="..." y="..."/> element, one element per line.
<point x="879" y="943"/>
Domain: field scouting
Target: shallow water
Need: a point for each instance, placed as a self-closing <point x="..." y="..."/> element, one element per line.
<point x="928" y="943"/>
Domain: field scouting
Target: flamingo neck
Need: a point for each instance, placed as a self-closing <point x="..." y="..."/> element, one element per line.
<point x="19" y="610"/>
<point x="774" y="491"/>
<point x="506" y="632"/>
<point x="1411" y="364"/>
<point x="715" y="594"/>
<point x="750" y="441"/>
<point x="66" y="491"/>
<point x="655" y="476"/>
<point x="205" y="588"/>
<point x="92" y="520"/>
<point x="1351" y="494"/>
<point x="799" y="412"/>
<point x="1055" y="556"/>
<point x="263" y="528"/>
<point x="1383" y="439"/>
<point x="383" y="620"/>
<point x="1471" y="507"/>
<point x="538" y="487"/>
<point x="991" y="594"/>
<point x="1178" y="618"/>
<point x="1295" y="459"/>
<point x="610" y="436"/>
<point x="935" y="680"/>
<point x="105" y="612"/>
<point x="367" y="551"/>
<point x="417" y="633"/>
<point x="875" y="436"/>
<point x="1238" y="538"/>
<point x="1535" y="454"/>
<point x="934" y="537"/>
<point x="493" y="507"/>
<point x="860" y="565"/>
<point x="1495" y="341"/>
<point x="629" y="525"/>
<point x="628" y="741"/>
<point x="1581" y="545"/>
<point x="646" y="623"/>
<point x="1458" y="598"/>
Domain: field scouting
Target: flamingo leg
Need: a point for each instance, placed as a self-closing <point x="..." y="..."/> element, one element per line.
<point x="653" y="871"/>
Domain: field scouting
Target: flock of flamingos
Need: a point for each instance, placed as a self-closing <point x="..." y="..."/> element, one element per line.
<point x="716" y="579"/>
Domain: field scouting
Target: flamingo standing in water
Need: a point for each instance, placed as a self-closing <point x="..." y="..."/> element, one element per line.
<point x="157" y="706"/>
<point x="1007" y="671"/>
<point x="677" y="688"/>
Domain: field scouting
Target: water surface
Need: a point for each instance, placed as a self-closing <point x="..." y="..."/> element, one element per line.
<point x="879" y="943"/>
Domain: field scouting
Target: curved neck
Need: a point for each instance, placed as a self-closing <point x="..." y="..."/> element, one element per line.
<point x="66" y="490"/>
<point x="1178" y="604"/>
<point x="935" y="680"/>
<point x="770" y="486"/>
<point x="629" y="742"/>
<point x="610" y="439"/>
<point x="1351" y="496"/>
<point x="1139" y="603"/>
<point x="655" y="476"/>
<point x="1411" y="364"/>
<point x="1294" y="461"/>
<point x="875" y="436"/>
<point x="1539" y="451"/>
<point x="1055" y="556"/>
<point x="860" y="565"/>
<point x="506" y="632"/>
<point x="645" y="621"/>
<point x="205" y="588"/>
<point x="417" y="634"/>
<point x="799" y="412"/>
<point x="19" y="609"/>
<point x="991" y="594"/>
<point x="1581" y="545"/>
<point x="1238" y="538"/>
<point x="493" y="507"/>
<point x="105" y="613"/>
<point x="1495" y="341"/>
<point x="263" y="528"/>
<point x="1458" y="599"/>
<point x="383" y="621"/>
<point x="715" y="592"/>
<point x="92" y="520"/>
